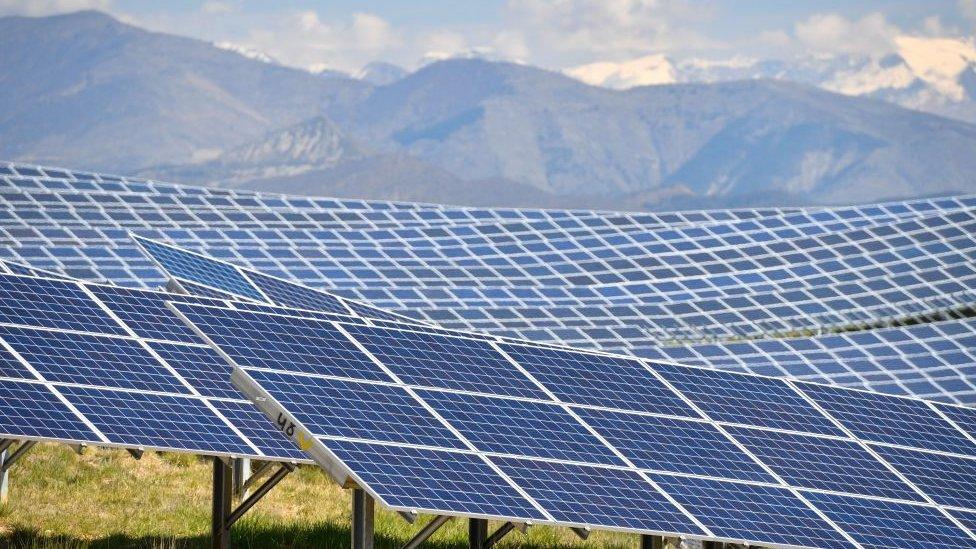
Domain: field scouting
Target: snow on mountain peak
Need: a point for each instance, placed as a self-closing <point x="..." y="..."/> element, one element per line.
<point x="245" y="51"/>
<point x="940" y="62"/>
<point x="643" y="71"/>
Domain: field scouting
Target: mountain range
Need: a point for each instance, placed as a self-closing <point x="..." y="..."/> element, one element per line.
<point x="98" y="94"/>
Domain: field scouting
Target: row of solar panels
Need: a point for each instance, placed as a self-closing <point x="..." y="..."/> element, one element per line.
<point x="492" y="429"/>
<point x="863" y="275"/>
<point x="853" y="303"/>
<point x="931" y="360"/>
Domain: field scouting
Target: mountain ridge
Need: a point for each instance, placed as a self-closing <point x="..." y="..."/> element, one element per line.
<point x="474" y="131"/>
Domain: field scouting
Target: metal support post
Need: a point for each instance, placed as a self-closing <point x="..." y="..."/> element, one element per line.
<point x="651" y="542"/>
<point x="497" y="535"/>
<point x="4" y="479"/>
<point x="222" y="494"/>
<point x="362" y="519"/>
<point x="477" y="533"/>
<point x="242" y="472"/>
<point x="223" y="517"/>
<point x="427" y="531"/>
<point x="9" y="461"/>
<point x="713" y="545"/>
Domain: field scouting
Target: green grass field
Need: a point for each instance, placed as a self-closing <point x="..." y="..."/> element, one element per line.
<point x="106" y="499"/>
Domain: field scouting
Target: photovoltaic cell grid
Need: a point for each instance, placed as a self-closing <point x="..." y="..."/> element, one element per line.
<point x="932" y="373"/>
<point x="193" y="271"/>
<point x="592" y="464"/>
<point x="113" y="366"/>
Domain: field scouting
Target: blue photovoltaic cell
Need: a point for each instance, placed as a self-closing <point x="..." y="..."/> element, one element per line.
<point x="674" y="445"/>
<point x="580" y="494"/>
<point x="519" y="427"/>
<point x="201" y="367"/>
<point x="967" y="518"/>
<point x="750" y="512"/>
<point x="825" y="464"/>
<point x="200" y="290"/>
<point x="283" y="343"/>
<point x="259" y="429"/>
<point x="436" y="480"/>
<point x="147" y="314"/>
<point x="368" y="311"/>
<point x="965" y="418"/>
<point x="348" y="409"/>
<point x="294" y="295"/>
<point x="949" y="480"/>
<point x="582" y="378"/>
<point x="32" y="410"/>
<point x="890" y="419"/>
<point x="52" y="304"/>
<point x="156" y="421"/>
<point x="887" y="524"/>
<point x="747" y="400"/>
<point x="11" y="367"/>
<point x="199" y="269"/>
<point x="448" y="362"/>
<point x="91" y="360"/>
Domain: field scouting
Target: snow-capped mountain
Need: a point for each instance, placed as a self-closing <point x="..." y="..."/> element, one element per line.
<point x="246" y="51"/>
<point x="936" y="75"/>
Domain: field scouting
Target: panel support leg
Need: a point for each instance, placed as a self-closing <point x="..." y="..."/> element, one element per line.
<point x="497" y="535"/>
<point x="427" y="531"/>
<point x="222" y="494"/>
<point x="242" y="472"/>
<point x="651" y="542"/>
<point x="362" y="519"/>
<point x="223" y="517"/>
<point x="477" y="533"/>
<point x="4" y="479"/>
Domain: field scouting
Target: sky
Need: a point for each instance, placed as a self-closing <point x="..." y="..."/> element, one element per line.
<point x="345" y="35"/>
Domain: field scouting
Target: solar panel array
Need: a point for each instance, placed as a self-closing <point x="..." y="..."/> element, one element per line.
<point x="447" y="424"/>
<point x="111" y="366"/>
<point x="644" y="284"/>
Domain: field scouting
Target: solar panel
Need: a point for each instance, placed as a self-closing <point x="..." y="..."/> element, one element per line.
<point x="881" y="523"/>
<point x="75" y="371"/>
<point x="590" y="464"/>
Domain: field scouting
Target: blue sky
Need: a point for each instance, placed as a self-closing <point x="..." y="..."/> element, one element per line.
<point x="344" y="34"/>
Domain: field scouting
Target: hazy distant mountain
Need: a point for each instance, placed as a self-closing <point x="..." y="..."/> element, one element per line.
<point x="86" y="90"/>
<point x="95" y="93"/>
<point x="381" y="74"/>
<point x="936" y="75"/>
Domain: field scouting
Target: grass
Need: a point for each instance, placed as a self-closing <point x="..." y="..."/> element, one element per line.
<point x="105" y="499"/>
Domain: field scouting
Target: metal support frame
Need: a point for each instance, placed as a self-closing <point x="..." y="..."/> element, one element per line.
<point x="223" y="515"/>
<point x="362" y="519"/>
<point x="7" y="460"/>
<point x="257" y="475"/>
<point x="4" y="479"/>
<point x="242" y="473"/>
<point x="477" y="533"/>
<point x="498" y="534"/>
<point x="427" y="531"/>
<point x="582" y="533"/>
<point x="651" y="542"/>
<point x="14" y="457"/>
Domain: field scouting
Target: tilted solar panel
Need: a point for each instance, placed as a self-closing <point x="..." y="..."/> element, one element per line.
<point x="586" y="464"/>
<point x="96" y="364"/>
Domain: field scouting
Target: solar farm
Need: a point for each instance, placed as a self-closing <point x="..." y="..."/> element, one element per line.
<point x="775" y="377"/>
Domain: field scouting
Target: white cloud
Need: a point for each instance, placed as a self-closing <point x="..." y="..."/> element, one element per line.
<point x="303" y="39"/>
<point x="968" y="9"/>
<point x="217" y="7"/>
<point x="37" y="8"/>
<point x="830" y="33"/>
<point x="581" y="30"/>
